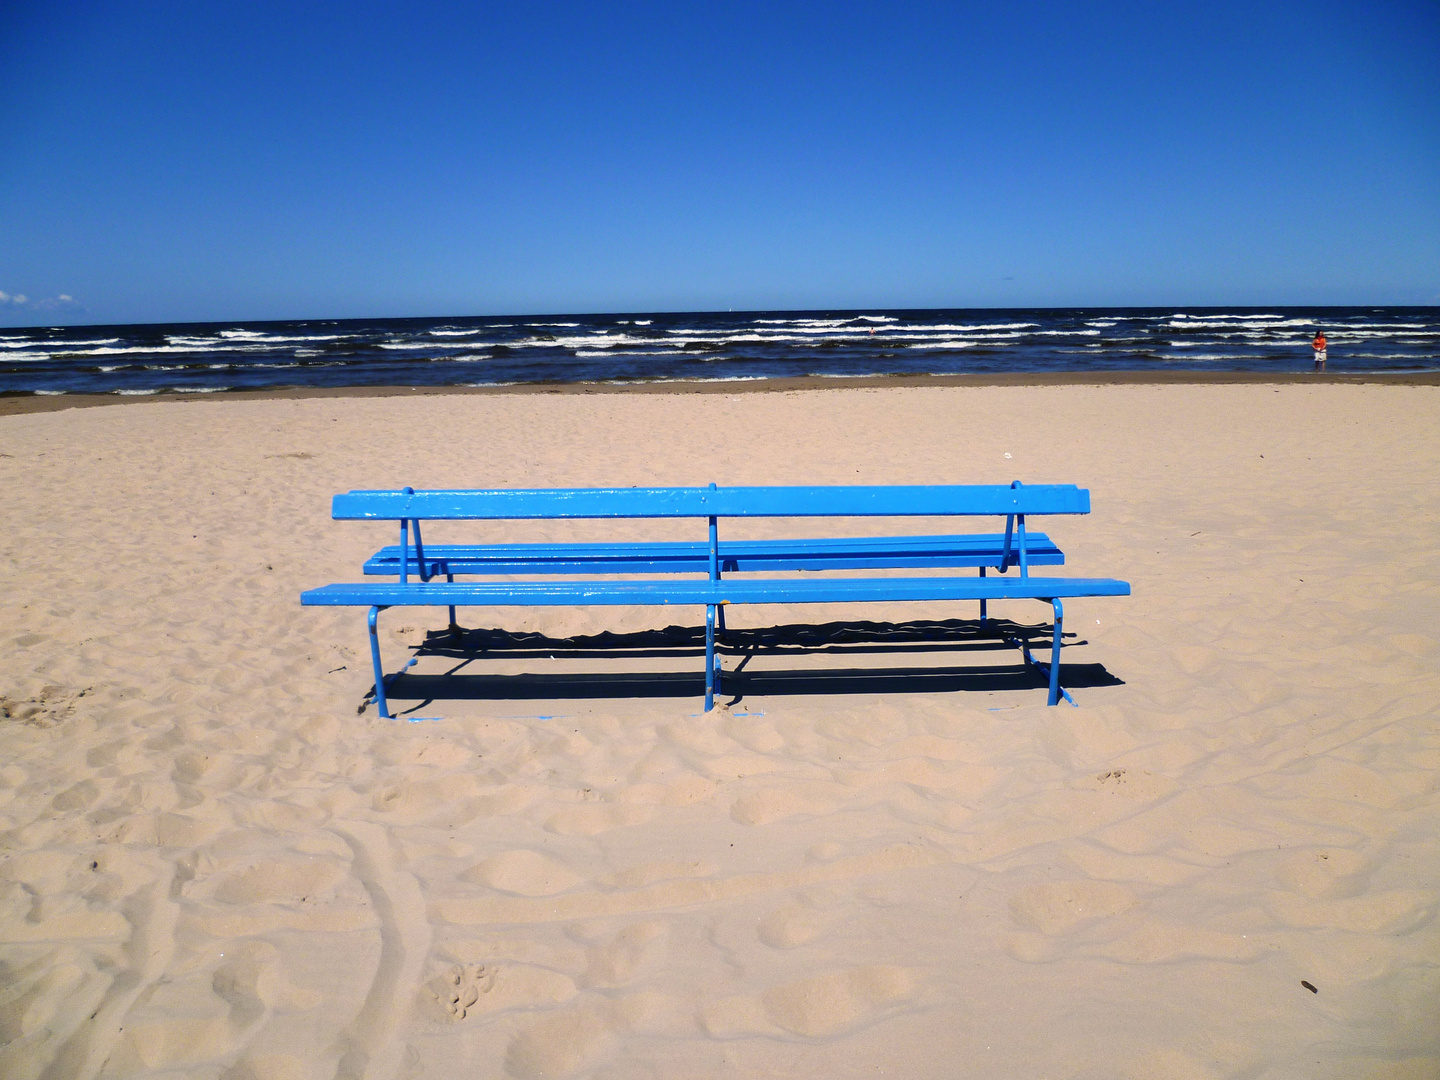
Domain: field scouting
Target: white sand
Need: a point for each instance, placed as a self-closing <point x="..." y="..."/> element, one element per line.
<point x="210" y="865"/>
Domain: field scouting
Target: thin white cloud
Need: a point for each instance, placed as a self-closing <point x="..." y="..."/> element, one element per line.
<point x="63" y="302"/>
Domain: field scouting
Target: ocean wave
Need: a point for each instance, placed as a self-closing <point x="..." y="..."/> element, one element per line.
<point x="1203" y="324"/>
<point x="960" y="328"/>
<point x="25" y="343"/>
<point x="1211" y="356"/>
<point x="1381" y="356"/>
<point x="1182" y="315"/>
<point x="415" y="345"/>
<point x="956" y="344"/>
<point x="149" y="349"/>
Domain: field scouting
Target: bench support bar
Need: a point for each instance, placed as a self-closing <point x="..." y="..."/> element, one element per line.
<point x="713" y="668"/>
<point x="380" y="702"/>
<point x="1051" y="670"/>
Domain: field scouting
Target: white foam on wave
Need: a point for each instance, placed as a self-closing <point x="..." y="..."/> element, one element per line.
<point x="955" y="344"/>
<point x="643" y="322"/>
<point x="49" y="393"/>
<point x="254" y="337"/>
<point x="1182" y="315"/>
<point x="439" y="344"/>
<point x="1006" y="335"/>
<point x="954" y="328"/>
<point x="198" y="389"/>
<point x="26" y="343"/>
<point x="457" y="333"/>
<point x="797" y="323"/>
<point x="1379" y="356"/>
<point x="25" y="356"/>
<point x="138" y="393"/>
<point x="1403" y="335"/>
<point x="1210" y="356"/>
<point x="1252" y="324"/>
<point x="130" y="349"/>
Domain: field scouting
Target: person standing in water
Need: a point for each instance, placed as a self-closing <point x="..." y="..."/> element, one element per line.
<point x="1319" y="346"/>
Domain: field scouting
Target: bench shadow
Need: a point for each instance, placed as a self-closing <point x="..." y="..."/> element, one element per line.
<point x="1003" y="669"/>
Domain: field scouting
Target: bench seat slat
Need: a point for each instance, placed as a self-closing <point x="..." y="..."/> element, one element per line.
<point x="691" y="592"/>
<point x="842" y="501"/>
<point x="845" y="553"/>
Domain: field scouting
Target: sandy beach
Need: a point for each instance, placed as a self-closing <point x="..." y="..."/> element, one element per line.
<point x="1224" y="862"/>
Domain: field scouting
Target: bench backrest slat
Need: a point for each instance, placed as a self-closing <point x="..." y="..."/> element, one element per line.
<point x="905" y="501"/>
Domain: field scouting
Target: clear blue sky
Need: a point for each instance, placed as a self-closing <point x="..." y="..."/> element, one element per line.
<point x="192" y="161"/>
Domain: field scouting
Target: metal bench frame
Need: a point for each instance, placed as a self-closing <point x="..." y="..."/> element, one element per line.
<point x="1014" y="548"/>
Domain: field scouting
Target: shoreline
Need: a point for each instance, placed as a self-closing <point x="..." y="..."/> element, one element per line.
<point x="26" y="403"/>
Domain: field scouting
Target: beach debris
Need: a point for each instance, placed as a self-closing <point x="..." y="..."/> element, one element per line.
<point x="1309" y="986"/>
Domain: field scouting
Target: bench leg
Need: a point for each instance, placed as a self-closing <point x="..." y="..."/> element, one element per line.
<point x="380" y="702"/>
<point x="1055" y="655"/>
<point x="709" y="657"/>
<point x="454" y="626"/>
<point x="983" y="611"/>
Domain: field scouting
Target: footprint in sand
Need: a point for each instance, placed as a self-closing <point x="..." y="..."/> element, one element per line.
<point x="411" y="802"/>
<point x="822" y="1007"/>
<point x="523" y="873"/>
<point x="557" y="1045"/>
<point x="1398" y="911"/>
<point x="48" y="707"/>
<point x="636" y="877"/>
<point x="460" y="988"/>
<point x="596" y="818"/>
<point x="1054" y="909"/>
<point x="792" y="925"/>
<point x="619" y="960"/>
<point x="480" y="989"/>
<point x="1057" y="907"/>
<point x="281" y="881"/>
<point x="1325" y="873"/>
<point x="772" y="804"/>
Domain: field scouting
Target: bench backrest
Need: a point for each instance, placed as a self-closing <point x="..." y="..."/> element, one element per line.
<point x="717" y="502"/>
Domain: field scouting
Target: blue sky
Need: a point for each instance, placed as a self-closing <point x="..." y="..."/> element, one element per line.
<point x="179" y="161"/>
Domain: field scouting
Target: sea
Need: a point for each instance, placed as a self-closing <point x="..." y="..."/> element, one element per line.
<point x="203" y="358"/>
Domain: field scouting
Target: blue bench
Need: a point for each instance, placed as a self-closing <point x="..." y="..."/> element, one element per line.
<point x="631" y="573"/>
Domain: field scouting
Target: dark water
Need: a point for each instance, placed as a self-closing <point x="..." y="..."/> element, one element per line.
<point x="209" y="357"/>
